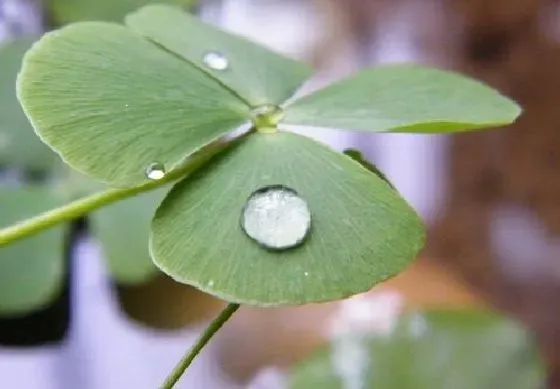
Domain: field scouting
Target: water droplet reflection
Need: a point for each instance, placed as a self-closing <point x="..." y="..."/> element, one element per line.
<point x="215" y="60"/>
<point x="276" y="217"/>
<point x="155" y="171"/>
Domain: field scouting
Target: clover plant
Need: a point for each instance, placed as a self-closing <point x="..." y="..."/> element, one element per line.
<point x="256" y="215"/>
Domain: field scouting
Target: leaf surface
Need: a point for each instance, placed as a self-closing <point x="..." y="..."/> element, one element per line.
<point x="362" y="232"/>
<point x="404" y="98"/>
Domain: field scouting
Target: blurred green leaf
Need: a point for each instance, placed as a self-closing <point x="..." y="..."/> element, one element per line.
<point x="165" y="304"/>
<point x="112" y="103"/>
<point x="31" y="270"/>
<point x="68" y="11"/>
<point x="404" y="98"/>
<point x="362" y="231"/>
<point x="19" y="145"/>
<point x="257" y="74"/>
<point x="71" y="185"/>
<point x="123" y="230"/>
<point x="435" y="350"/>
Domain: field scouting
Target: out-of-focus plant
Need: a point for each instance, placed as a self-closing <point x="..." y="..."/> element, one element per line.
<point x="443" y="349"/>
<point x="61" y="12"/>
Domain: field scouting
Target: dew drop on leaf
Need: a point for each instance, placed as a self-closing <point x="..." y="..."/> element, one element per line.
<point x="267" y="116"/>
<point x="215" y="60"/>
<point x="155" y="171"/>
<point x="276" y="217"/>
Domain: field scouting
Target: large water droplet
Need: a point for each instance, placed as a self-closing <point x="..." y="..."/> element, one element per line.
<point x="156" y="171"/>
<point x="276" y="217"/>
<point x="215" y="60"/>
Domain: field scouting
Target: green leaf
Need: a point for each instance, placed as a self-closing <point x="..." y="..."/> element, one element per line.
<point x="31" y="270"/>
<point x="404" y="98"/>
<point x="19" y="145"/>
<point x="436" y="350"/>
<point x="67" y="11"/>
<point x="362" y="231"/>
<point x="112" y="103"/>
<point x="257" y="74"/>
<point x="123" y="230"/>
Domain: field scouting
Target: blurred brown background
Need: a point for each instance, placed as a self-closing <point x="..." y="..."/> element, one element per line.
<point x="506" y="179"/>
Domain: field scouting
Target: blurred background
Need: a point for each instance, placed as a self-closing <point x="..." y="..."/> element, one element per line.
<point x="491" y="201"/>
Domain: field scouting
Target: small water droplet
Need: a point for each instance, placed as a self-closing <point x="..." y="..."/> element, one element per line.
<point x="276" y="217"/>
<point x="266" y="117"/>
<point x="155" y="171"/>
<point x="306" y="274"/>
<point x="211" y="283"/>
<point x="215" y="60"/>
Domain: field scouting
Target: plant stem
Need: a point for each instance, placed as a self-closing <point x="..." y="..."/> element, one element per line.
<point x="187" y="359"/>
<point x="67" y="212"/>
<point x="87" y="204"/>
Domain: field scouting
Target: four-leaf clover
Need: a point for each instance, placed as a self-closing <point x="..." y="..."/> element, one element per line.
<point x="120" y="103"/>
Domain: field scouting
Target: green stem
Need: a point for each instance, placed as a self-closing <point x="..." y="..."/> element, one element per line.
<point x="187" y="359"/>
<point x="69" y="212"/>
<point x="87" y="204"/>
